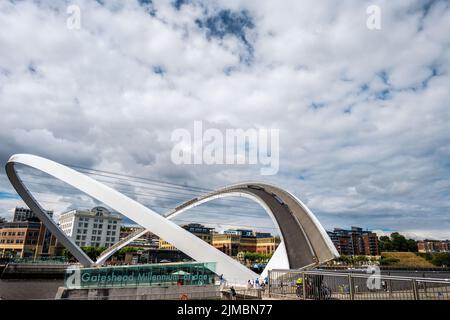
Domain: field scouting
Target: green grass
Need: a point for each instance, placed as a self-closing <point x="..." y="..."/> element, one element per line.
<point x="407" y="259"/>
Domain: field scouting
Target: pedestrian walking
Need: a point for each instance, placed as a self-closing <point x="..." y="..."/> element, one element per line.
<point x="233" y="293"/>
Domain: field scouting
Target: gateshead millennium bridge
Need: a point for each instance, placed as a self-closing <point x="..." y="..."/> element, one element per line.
<point x="304" y="242"/>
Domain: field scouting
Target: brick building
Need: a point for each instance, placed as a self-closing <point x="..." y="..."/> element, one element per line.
<point x="232" y="241"/>
<point x="26" y="239"/>
<point x="433" y="246"/>
<point x="26" y="236"/>
<point x="355" y="241"/>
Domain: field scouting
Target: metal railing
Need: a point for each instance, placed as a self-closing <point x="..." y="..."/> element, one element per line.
<point x="243" y="294"/>
<point x="319" y="285"/>
<point x="39" y="260"/>
<point x="180" y="294"/>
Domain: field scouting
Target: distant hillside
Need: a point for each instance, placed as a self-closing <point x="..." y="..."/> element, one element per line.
<point x="407" y="259"/>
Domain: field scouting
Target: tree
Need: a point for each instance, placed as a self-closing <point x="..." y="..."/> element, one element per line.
<point x="412" y="245"/>
<point x="397" y="242"/>
<point x="66" y="253"/>
<point x="441" y="259"/>
<point x="256" y="257"/>
<point x="385" y="244"/>
<point x="93" y="252"/>
<point x="2" y="220"/>
<point x="345" y="259"/>
<point x="353" y="260"/>
<point x="361" y="259"/>
<point x="426" y="255"/>
<point x="120" y="255"/>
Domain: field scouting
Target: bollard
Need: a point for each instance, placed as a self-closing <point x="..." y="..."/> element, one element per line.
<point x="352" y="290"/>
<point x="415" y="290"/>
<point x="304" y="286"/>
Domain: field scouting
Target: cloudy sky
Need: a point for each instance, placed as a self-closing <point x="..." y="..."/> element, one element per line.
<point x="363" y="115"/>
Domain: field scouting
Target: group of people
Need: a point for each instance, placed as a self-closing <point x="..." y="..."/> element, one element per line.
<point x="257" y="283"/>
<point x="313" y="286"/>
<point x="251" y="284"/>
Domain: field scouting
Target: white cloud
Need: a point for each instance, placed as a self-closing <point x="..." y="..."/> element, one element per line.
<point x="373" y="151"/>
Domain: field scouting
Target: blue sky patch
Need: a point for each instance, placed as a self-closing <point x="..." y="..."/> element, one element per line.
<point x="8" y="195"/>
<point x="159" y="70"/>
<point x="317" y="105"/>
<point x="384" y="77"/>
<point x="230" y="23"/>
<point x="31" y="68"/>
<point x="148" y="6"/>
<point x="383" y="94"/>
<point x="179" y="3"/>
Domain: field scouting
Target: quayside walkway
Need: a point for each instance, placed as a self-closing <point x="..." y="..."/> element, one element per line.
<point x="324" y="285"/>
<point x="320" y="285"/>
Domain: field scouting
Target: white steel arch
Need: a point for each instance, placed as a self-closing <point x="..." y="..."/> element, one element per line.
<point x="310" y="246"/>
<point x="304" y="241"/>
<point x="280" y="262"/>
<point x="169" y="231"/>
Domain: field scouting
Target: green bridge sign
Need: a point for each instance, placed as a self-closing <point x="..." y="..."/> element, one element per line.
<point x="196" y="273"/>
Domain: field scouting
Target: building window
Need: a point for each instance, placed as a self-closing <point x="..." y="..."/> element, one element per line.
<point x="94" y="231"/>
<point x="92" y="238"/>
<point x="100" y="226"/>
<point x="85" y="225"/>
<point x="95" y="225"/>
<point x="114" y="227"/>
